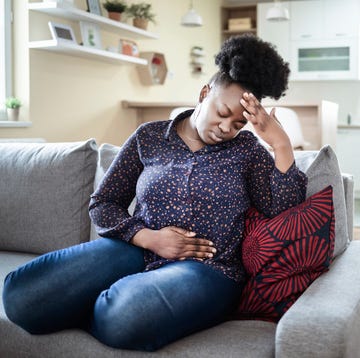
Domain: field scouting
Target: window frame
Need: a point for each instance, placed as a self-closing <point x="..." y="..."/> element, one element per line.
<point x="6" y="20"/>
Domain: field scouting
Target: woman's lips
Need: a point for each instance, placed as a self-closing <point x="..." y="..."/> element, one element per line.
<point x="215" y="138"/>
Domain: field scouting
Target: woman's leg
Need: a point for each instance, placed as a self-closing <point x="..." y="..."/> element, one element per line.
<point x="58" y="290"/>
<point x="148" y="310"/>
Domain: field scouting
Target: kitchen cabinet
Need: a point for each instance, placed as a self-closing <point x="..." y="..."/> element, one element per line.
<point x="324" y="19"/>
<point x="275" y="32"/>
<point x="306" y="20"/>
<point x="341" y="19"/>
<point x="347" y="149"/>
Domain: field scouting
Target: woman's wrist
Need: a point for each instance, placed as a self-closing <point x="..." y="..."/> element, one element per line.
<point x="142" y="238"/>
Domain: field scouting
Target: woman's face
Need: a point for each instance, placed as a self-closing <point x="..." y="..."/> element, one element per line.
<point x="219" y="116"/>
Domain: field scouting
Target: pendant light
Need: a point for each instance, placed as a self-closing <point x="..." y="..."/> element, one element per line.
<point x="278" y="12"/>
<point x="191" y="18"/>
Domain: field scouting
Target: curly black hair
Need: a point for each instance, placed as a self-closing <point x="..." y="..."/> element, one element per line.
<point x="253" y="64"/>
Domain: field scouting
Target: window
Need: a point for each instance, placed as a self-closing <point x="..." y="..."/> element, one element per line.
<point x="5" y="54"/>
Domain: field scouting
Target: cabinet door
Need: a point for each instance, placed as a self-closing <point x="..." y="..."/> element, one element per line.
<point x="277" y="33"/>
<point x="306" y="20"/>
<point x="341" y="18"/>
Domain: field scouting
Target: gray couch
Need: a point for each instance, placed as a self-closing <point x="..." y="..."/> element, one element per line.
<point x="44" y="194"/>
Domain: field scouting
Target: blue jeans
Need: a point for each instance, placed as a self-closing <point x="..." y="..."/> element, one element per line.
<point x="100" y="286"/>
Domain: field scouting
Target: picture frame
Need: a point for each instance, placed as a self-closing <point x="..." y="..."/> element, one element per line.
<point x="61" y="32"/>
<point x="94" y="7"/>
<point x="90" y="34"/>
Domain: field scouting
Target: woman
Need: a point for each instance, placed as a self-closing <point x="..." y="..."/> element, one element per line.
<point x="174" y="267"/>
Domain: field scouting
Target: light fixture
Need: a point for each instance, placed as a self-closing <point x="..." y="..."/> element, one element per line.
<point x="278" y="12"/>
<point x="191" y="18"/>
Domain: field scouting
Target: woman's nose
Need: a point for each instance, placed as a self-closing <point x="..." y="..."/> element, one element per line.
<point x="224" y="126"/>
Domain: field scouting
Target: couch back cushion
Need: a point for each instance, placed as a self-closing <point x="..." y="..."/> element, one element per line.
<point x="44" y="194"/>
<point x="322" y="169"/>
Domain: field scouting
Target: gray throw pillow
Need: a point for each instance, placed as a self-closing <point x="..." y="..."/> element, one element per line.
<point x="44" y="194"/>
<point x="322" y="169"/>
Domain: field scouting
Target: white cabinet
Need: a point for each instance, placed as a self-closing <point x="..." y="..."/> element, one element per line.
<point x="277" y="33"/>
<point x="325" y="60"/>
<point x="306" y="20"/>
<point x="324" y="19"/>
<point x="347" y="149"/>
<point x="341" y="19"/>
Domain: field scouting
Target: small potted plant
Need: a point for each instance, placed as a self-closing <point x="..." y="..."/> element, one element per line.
<point x="115" y="8"/>
<point x="141" y="14"/>
<point x="13" y="105"/>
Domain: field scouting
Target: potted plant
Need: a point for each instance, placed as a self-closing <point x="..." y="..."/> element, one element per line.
<point x="12" y="105"/>
<point x="141" y="14"/>
<point x="115" y="8"/>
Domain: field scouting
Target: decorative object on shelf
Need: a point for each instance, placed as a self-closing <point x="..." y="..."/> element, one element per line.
<point x="61" y="32"/>
<point x="90" y="34"/>
<point x="13" y="105"/>
<point x="197" y="59"/>
<point x="115" y="8"/>
<point x="191" y="18"/>
<point x="141" y="14"/>
<point x="129" y="48"/>
<point x="239" y="24"/>
<point x="156" y="70"/>
<point x="278" y="12"/>
<point x="94" y="7"/>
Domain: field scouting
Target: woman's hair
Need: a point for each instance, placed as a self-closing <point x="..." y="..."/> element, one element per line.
<point x="254" y="65"/>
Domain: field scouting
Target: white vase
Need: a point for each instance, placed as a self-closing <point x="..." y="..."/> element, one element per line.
<point x="13" y="114"/>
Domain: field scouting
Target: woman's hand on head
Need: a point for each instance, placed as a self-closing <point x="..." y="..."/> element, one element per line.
<point x="174" y="243"/>
<point x="266" y="125"/>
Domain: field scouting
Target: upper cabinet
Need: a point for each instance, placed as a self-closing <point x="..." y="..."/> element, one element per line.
<point x="305" y="20"/>
<point x="320" y="41"/>
<point x="324" y="19"/>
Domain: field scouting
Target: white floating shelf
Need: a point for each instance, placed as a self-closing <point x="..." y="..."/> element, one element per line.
<point x="71" y="13"/>
<point x="85" y="52"/>
<point x="16" y="124"/>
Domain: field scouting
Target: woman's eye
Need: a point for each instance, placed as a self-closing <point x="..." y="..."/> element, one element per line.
<point x="222" y="115"/>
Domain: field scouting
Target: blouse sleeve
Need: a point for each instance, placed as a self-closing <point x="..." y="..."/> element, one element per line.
<point x="109" y="203"/>
<point x="272" y="191"/>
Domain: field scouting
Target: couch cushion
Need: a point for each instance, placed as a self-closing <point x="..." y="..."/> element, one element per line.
<point x="44" y="194"/>
<point x="322" y="169"/>
<point x="285" y="254"/>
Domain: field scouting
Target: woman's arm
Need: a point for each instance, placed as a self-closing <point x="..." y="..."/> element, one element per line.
<point x="110" y="201"/>
<point x="274" y="185"/>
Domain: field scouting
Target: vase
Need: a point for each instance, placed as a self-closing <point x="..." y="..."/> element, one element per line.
<point x="140" y="23"/>
<point x="13" y="114"/>
<point x="114" y="15"/>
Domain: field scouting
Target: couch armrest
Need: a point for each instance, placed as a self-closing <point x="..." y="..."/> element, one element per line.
<point x="325" y="320"/>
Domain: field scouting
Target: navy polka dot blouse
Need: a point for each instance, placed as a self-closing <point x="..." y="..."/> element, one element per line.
<point x="207" y="191"/>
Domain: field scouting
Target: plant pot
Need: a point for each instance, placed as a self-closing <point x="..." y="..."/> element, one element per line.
<point x="114" y="15"/>
<point x="13" y="114"/>
<point x="140" y="23"/>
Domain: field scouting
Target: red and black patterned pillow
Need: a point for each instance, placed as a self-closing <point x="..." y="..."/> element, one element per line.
<point x="285" y="254"/>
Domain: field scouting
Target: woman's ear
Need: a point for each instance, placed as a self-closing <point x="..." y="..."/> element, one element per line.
<point x="204" y="92"/>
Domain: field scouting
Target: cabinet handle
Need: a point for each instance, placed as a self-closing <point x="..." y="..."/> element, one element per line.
<point x="305" y="36"/>
<point x="340" y="34"/>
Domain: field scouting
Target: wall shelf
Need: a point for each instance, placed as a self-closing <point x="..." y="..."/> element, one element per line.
<point x="74" y="14"/>
<point x="85" y="52"/>
<point x="14" y="124"/>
